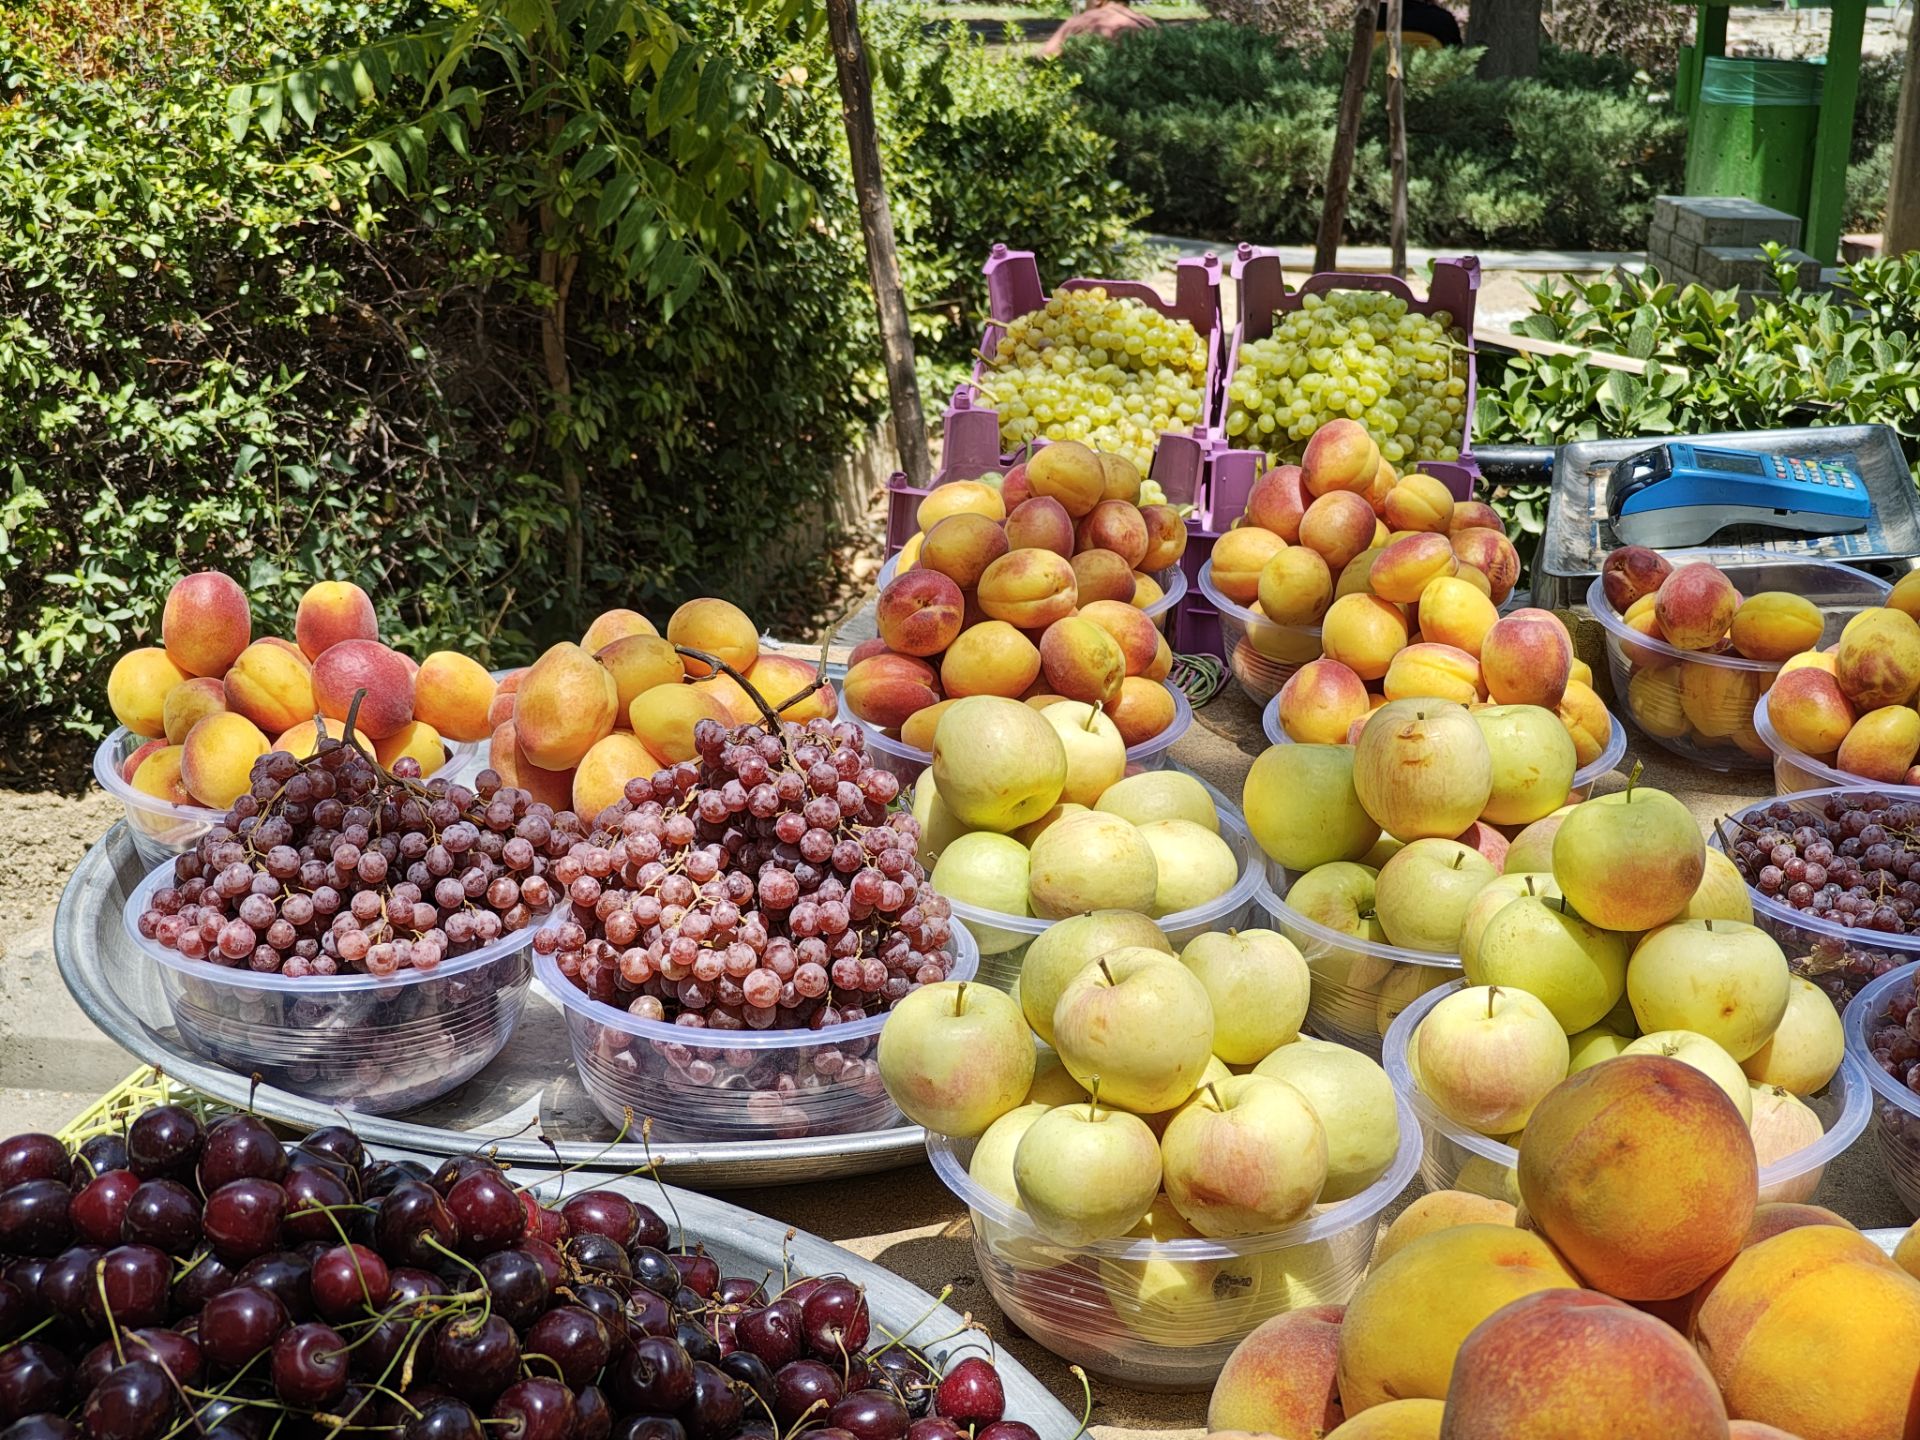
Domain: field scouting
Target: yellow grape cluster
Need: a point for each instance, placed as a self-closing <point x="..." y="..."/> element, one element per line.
<point x="1105" y="370"/>
<point x="1352" y="355"/>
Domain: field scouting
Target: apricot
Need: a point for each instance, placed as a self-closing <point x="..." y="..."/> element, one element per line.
<point x="1142" y="709"/>
<point x="1718" y="699"/>
<point x="137" y="689"/>
<point x="1878" y="662"/>
<point x="1587" y="721"/>
<point x="1162" y="665"/>
<point x="1419" y="502"/>
<point x="275" y="688"/>
<point x="1881" y="744"/>
<point x="1395" y="1420"/>
<point x="1778" y="1216"/>
<point x="1103" y="575"/>
<point x="1631" y="572"/>
<point x="453" y="693"/>
<point x="919" y="613"/>
<point x="1081" y="661"/>
<point x="415" y="739"/>
<point x="1296" y="587"/>
<point x="1139" y="642"/>
<point x="1041" y="523"/>
<point x="1474" y="515"/>
<point x="340" y="672"/>
<point x="1113" y="525"/>
<point x="919" y="726"/>
<point x="1526" y="659"/>
<point x="1278" y="500"/>
<point x="501" y="710"/>
<point x="1339" y="524"/>
<point x="216" y="759"/>
<point x="1166" y="537"/>
<point x="1122" y="478"/>
<point x="507" y="760"/>
<point x="718" y="627"/>
<point x="1383" y="482"/>
<point x="301" y="740"/>
<point x="158" y="774"/>
<point x="1905" y="595"/>
<point x="1363" y="633"/>
<point x="1014" y="489"/>
<point x="1405" y="567"/>
<point x="1239" y="557"/>
<point x="188" y="702"/>
<point x="566" y="704"/>
<point x="1340" y="456"/>
<point x="1071" y="474"/>
<point x="1695" y="605"/>
<point x="961" y="547"/>
<point x="959" y="497"/>
<point x="1807" y="708"/>
<point x="1775" y="625"/>
<point x="1281" y="1380"/>
<point x="1320" y="702"/>
<point x="1812" y="660"/>
<point x="1491" y="555"/>
<point x="1439" y="671"/>
<point x="779" y="679"/>
<point x="1356" y="576"/>
<point x="663" y="719"/>
<point x="909" y="554"/>
<point x="1146" y="591"/>
<point x="636" y="662"/>
<point x="1438" y="1210"/>
<point x="992" y="658"/>
<point x="601" y="777"/>
<point x="205" y="623"/>
<point x="884" y="690"/>
<point x="1029" y="589"/>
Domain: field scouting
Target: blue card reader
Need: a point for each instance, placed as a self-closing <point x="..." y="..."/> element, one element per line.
<point x="1680" y="494"/>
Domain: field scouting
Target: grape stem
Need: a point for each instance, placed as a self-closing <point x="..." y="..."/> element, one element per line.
<point x="772" y="713"/>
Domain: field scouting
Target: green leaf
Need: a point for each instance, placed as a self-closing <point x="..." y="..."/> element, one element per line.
<point x="388" y="160"/>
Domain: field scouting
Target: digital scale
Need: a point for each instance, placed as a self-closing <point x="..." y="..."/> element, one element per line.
<point x="1681" y="493"/>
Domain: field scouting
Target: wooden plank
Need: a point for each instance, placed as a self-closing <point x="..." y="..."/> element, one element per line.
<point x="1527" y="345"/>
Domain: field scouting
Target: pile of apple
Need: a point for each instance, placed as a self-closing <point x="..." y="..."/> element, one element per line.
<point x="1851" y="705"/>
<point x="1645" y="1288"/>
<point x="1031" y="589"/>
<point x="1031" y="813"/>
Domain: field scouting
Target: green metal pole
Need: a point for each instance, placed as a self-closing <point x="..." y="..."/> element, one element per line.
<point x="1710" y="38"/>
<point x="1826" y="204"/>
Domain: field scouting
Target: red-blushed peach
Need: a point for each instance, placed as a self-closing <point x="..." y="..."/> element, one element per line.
<point x="1807" y="708"/>
<point x="416" y="740"/>
<point x="612" y="625"/>
<point x="133" y="761"/>
<point x="1778" y="1216"/>
<point x="663" y="719"/>
<point x="601" y="777"/>
<point x="866" y="650"/>
<point x="1280" y="1380"/>
<point x="1081" y="661"/>
<point x="1631" y="572"/>
<point x="1695" y="604"/>
<point x="1278" y="500"/>
<point x="992" y="658"/>
<point x="1122" y="478"/>
<point x="919" y="613"/>
<point x="1071" y="474"/>
<point x="1878" y="662"/>
<point x="1113" y="525"/>
<point x="1340" y="456"/>
<point x="137" y="689"/>
<point x="1142" y="710"/>
<point x="636" y="662"/>
<point x="563" y="706"/>
<point x="1588" y="723"/>
<point x="1363" y="633"/>
<point x="1320" y="702"/>
<point x="507" y="760"/>
<point x="1103" y="575"/>
<point x="331" y="611"/>
<point x="961" y="547"/>
<point x="303" y="739"/>
<point x="1339" y="525"/>
<point x="1041" y="523"/>
<point x="1016" y="491"/>
<point x="1419" y="502"/>
<point x="884" y="690"/>
<point x="1438" y="1210"/>
<point x="1454" y="612"/>
<point x="158" y="775"/>
<point x="1549" y="1366"/>
<point x="779" y="678"/>
<point x="1775" y="625"/>
<point x="340" y="672"/>
<point x="1166" y="537"/>
<point x="1526" y="661"/>
<point x="1426" y="669"/>
<point x="187" y="702"/>
<point x="959" y="497"/>
<point x="274" y="688"/>
<point x="205" y="623"/>
<point x="1881" y="744"/>
<point x="1029" y="589"/>
<point x="1473" y="515"/>
<point x="1238" y="558"/>
<point x="454" y="692"/>
<point x="718" y="627"/>
<point x="216" y="761"/>
<point x="1296" y="587"/>
<point x="1642" y="1174"/>
<point x="1491" y="554"/>
<point x="919" y="726"/>
<point x="1718" y="699"/>
<point x="1408" y="565"/>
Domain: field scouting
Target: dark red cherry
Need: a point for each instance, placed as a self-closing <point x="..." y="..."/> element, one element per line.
<point x="99" y="1208"/>
<point x="347" y="1282"/>
<point x="603" y="1212"/>
<point x="33" y="1378"/>
<point x="971" y="1393"/>
<point x="445" y="1419"/>
<point x="653" y="1375"/>
<point x="163" y="1214"/>
<point x="243" y="1219"/>
<point x="805" y="1387"/>
<point x="42" y="1427"/>
<point x="696" y="1342"/>
<point x="411" y="1222"/>
<point x="239" y="1324"/>
<point x="606" y="1307"/>
<point x="699" y="1272"/>
<point x="654" y="1269"/>
<point x="487" y="1213"/>
<point x="33" y="1218"/>
<point x="542" y="1223"/>
<point x="34" y="1156"/>
<point x="476" y="1358"/>
<point x="750" y="1370"/>
<point x="517" y="1284"/>
<point x="592" y="1416"/>
<point x="68" y="1280"/>
<point x="803" y="1287"/>
<point x="410" y="1285"/>
<point x="870" y="1415"/>
<point x="650" y="1314"/>
<point x="101" y="1154"/>
<point x="317" y="1201"/>
<point x="133" y="1403"/>
<point x="452" y="1171"/>
<point x="380" y="1176"/>
<point x="284" y="1275"/>
<point x="1008" y="1430"/>
<point x="935" y="1427"/>
<point x="596" y="1254"/>
<point x="551" y="1264"/>
<point x="130" y="1288"/>
<point x="231" y="1418"/>
<point x="742" y="1291"/>
<point x="649" y="1427"/>
<point x="309" y="1366"/>
<point x="717" y="1404"/>
<point x="179" y="1355"/>
<point x="206" y="1276"/>
<point x="834" y="1319"/>
<point x="163" y="1143"/>
<point x="16" y="1311"/>
<point x="537" y="1408"/>
<point x="240" y="1147"/>
<point x="649" y="1228"/>
<point x="910" y="1378"/>
<point x="772" y="1333"/>
<point x="336" y="1143"/>
<point x="574" y="1339"/>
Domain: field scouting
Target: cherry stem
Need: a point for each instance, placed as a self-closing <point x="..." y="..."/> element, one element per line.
<point x="1086" y="1390"/>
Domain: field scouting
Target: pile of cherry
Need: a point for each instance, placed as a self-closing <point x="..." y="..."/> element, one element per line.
<point x="189" y="1282"/>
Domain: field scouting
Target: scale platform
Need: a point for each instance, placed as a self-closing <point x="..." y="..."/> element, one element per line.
<point x="1579" y="533"/>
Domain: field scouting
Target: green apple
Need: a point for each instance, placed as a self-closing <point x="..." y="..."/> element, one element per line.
<point x="1532" y="849"/>
<point x="1488" y="1055"/>
<point x="1086" y="1172"/>
<point x="1346" y="983"/>
<point x="1339" y="896"/>
<point x="985" y="869"/>
<point x="1195" y="865"/>
<point x="1805" y="1050"/>
<point x="939" y="826"/>
<point x="1247" y="1157"/>
<point x="1422" y="769"/>
<point x="1704" y="1055"/>
<point x="991" y="1167"/>
<point x="1034" y="829"/>
<point x="997" y="762"/>
<point x="1353" y="1098"/>
<point x="1628" y="861"/>
<point x="1140" y="1023"/>
<point x="1067" y="947"/>
<point x="1576" y="970"/>
<point x="956" y="1056"/>
<point x="1302" y="809"/>
<point x="1783" y="1125"/>
<point x="1493" y="897"/>
<point x="1422" y="894"/>
<point x="1722" y="893"/>
<point x="1053" y="1084"/>
<point x="1258" y="984"/>
<point x="1096" y="755"/>
<point x="1717" y="978"/>
<point x="1403" y="985"/>
<point x="1533" y="762"/>
<point x="1161" y="795"/>
<point x="1384" y="849"/>
<point x="1592" y="1045"/>
<point x="1200" y="1301"/>
<point x="1215" y="1072"/>
<point x="1093" y="861"/>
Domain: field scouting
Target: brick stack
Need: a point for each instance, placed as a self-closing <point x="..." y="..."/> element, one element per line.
<point x="1715" y="240"/>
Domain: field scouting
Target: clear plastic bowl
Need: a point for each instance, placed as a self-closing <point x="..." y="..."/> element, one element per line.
<point x="1261" y="654"/>
<point x="1461" y="1159"/>
<point x="1172" y="582"/>
<point x="1358" y="986"/>
<point x="1896" y="1109"/>
<point x="1003" y="939"/>
<point x="729" y="1084"/>
<point x="359" y="1042"/>
<point x="1795" y="770"/>
<point x="1700" y="706"/>
<point x="1608" y="759"/>
<point x="1087" y="1304"/>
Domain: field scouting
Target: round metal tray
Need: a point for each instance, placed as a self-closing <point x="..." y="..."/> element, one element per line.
<point x="528" y="1105"/>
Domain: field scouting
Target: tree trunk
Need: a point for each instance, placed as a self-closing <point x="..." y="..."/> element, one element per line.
<point x="1903" y="196"/>
<point x="1397" y="139"/>
<point x="876" y="221"/>
<point x="1353" y="94"/>
<point x="556" y="273"/>
<point x="1510" y="31"/>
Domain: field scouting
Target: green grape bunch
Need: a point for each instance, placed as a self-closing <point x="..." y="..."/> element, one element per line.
<point x="1353" y="355"/>
<point x="1105" y="370"/>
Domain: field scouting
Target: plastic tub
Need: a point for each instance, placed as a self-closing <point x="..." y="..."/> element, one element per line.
<point x="158" y="827"/>
<point x="1087" y="1303"/>
<point x="1261" y="654"/>
<point x="1172" y="582"/>
<point x="729" y="1084"/>
<point x="1896" y="1109"/>
<point x="1608" y="759"/>
<point x="1461" y="1159"/>
<point x="359" y="1042"/>
<point x="1701" y="706"/>
<point x="1003" y="938"/>
<point x="1795" y="770"/>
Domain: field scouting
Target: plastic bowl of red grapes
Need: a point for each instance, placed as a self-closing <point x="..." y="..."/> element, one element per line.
<point x="1883" y="1034"/>
<point x="734" y="931"/>
<point x="351" y="935"/>
<point x="186" y="1279"/>
<point x="1834" y="876"/>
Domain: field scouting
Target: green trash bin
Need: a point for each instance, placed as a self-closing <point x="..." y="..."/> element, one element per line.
<point x="1753" y="131"/>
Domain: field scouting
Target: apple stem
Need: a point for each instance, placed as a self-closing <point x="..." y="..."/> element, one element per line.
<point x="1214" y="1093"/>
<point x="960" y="999"/>
<point x="1563" y="904"/>
<point x="1633" y="778"/>
<point x="1093" y="1097"/>
<point x="1093" y="713"/>
<point x="1530" y="889"/>
<point x="1492" y="991"/>
<point x="1102" y="962"/>
<point x="1456" y="862"/>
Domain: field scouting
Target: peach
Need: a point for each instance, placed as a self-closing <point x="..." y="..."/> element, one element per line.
<point x="216" y="760"/>
<point x="454" y="692"/>
<point x="205" y="623"/>
<point x="1809" y="711"/>
<point x="1419" y="502"/>
<point x="884" y="690"/>
<point x="158" y="774"/>
<point x="1454" y="613"/>
<point x="612" y="625"/>
<point x="961" y="547"/>
<point x="1113" y="525"/>
<point x="275" y="688"/>
<point x="1162" y="665"/>
<point x="416" y="740"/>
<point x="1642" y="1174"/>
<point x="1408" y="565"/>
<point x="1775" y="625"/>
<point x="1071" y="474"/>
<point x="731" y="694"/>
<point x="1631" y="572"/>
<point x="1451" y="1280"/>
<point x="137" y="689"/>
<point x="1473" y="515"/>
<point x="1103" y="575"/>
<point x="601" y="777"/>
<point x="919" y="613"/>
<point x="1695" y="605"/>
<point x="1133" y="632"/>
<point x="1143" y="709"/>
<point x="636" y="662"/>
<point x="1580" y="671"/>
<point x="507" y="760"/>
<point x="1643" y="656"/>
<point x="1340" y="456"/>
<point x="1395" y="1420"/>
<point x="1881" y="744"/>
<point x="1549" y="1367"/>
<point x="1081" y="661"/>
<point x="188" y="702"/>
<point x="1382" y="485"/>
<point x="1778" y="1216"/>
<point x="1277" y="501"/>
<point x="565" y="705"/>
<point x="1428" y="670"/>
<point x="340" y="672"/>
<point x="1905" y="595"/>
<point x="1238" y="558"/>
<point x="1588" y="723"/>
<point x="1491" y="554"/>
<point x="133" y="761"/>
<point x="992" y="658"/>
<point x="301" y="740"/>
<point x="1906" y="1254"/>
<point x="1280" y="1380"/>
<point x="1320" y="702"/>
<point x="1029" y="589"/>
<point x="1016" y="491"/>
<point x="663" y="719"/>
<point x="1363" y="633"/>
<point x="1146" y="589"/>
<point x="918" y="729"/>
<point x="1527" y="661"/>
<point x="1878" y="662"/>
<point x="1041" y="523"/>
<point x="778" y="679"/>
<point x="331" y="611"/>
<point x="1122" y="478"/>
<point x="959" y="497"/>
<point x="1339" y="525"/>
<point x="1653" y="700"/>
<point x="1718" y="700"/>
<point x="1166" y="536"/>
<point x="720" y="628"/>
<point x="1438" y="1210"/>
<point x="1296" y="587"/>
<point x="501" y="710"/>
